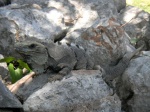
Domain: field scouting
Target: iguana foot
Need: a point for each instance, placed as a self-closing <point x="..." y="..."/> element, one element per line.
<point x="62" y="65"/>
<point x="65" y="69"/>
<point x="55" y="78"/>
<point x="108" y="80"/>
<point x="58" y="77"/>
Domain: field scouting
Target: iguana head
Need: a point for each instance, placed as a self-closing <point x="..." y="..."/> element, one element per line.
<point x="32" y="51"/>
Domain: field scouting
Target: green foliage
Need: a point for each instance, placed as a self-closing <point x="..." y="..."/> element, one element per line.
<point x="7" y="59"/>
<point x="143" y="4"/>
<point x="15" y="68"/>
<point x="22" y="64"/>
<point x="134" y="40"/>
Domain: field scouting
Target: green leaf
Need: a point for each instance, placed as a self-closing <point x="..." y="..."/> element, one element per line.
<point x="12" y="72"/>
<point x="15" y="74"/>
<point x="7" y="59"/>
<point x="133" y="40"/>
<point x="15" y="68"/>
<point x="23" y="65"/>
<point x="18" y="74"/>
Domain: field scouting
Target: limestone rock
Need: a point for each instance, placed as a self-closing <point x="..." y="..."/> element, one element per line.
<point x="139" y="20"/>
<point x="5" y="2"/>
<point x="85" y="90"/>
<point x="7" y="99"/>
<point x="138" y="25"/>
<point x="134" y="89"/>
<point x="105" y="41"/>
<point x="3" y="68"/>
<point x="99" y="32"/>
<point x="31" y="85"/>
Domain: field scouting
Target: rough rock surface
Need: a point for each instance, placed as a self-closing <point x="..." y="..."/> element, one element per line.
<point x="7" y="99"/>
<point x="135" y="85"/>
<point x="138" y="25"/>
<point x="104" y="42"/>
<point x="121" y="4"/>
<point x="32" y="85"/>
<point x="84" y="91"/>
<point x="3" y="68"/>
<point x="139" y="20"/>
<point x="4" y="2"/>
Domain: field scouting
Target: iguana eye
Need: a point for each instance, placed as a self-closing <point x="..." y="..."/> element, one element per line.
<point x="32" y="46"/>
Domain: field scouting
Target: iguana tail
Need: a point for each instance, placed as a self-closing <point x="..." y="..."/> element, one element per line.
<point x="129" y="56"/>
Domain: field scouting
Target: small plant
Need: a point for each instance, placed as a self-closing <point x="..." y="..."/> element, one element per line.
<point x="15" y="67"/>
<point x="134" y="41"/>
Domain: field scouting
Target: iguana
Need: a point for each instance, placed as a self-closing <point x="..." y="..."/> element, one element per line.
<point x="64" y="58"/>
<point x="59" y="58"/>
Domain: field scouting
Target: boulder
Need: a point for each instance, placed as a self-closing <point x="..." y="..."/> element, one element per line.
<point x="30" y="86"/>
<point x="7" y="99"/>
<point x="105" y="41"/>
<point x="85" y="90"/>
<point x="134" y="87"/>
<point x="137" y="25"/>
<point x="3" y="68"/>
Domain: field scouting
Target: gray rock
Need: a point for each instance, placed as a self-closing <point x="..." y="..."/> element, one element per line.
<point x="39" y="2"/>
<point x="137" y="26"/>
<point x="7" y="99"/>
<point x="100" y="34"/>
<point x="5" y="2"/>
<point x="102" y="41"/>
<point x="84" y="91"/>
<point x="121" y="4"/>
<point x="32" y="85"/>
<point x="3" y="68"/>
<point x="139" y="20"/>
<point x="134" y="87"/>
<point x="6" y="110"/>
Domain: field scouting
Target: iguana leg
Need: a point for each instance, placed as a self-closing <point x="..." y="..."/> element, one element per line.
<point x="60" y="76"/>
<point x="65" y="69"/>
<point x="55" y="77"/>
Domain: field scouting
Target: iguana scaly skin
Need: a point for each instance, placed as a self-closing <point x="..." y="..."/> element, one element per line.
<point x="112" y="72"/>
<point x="59" y="58"/>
